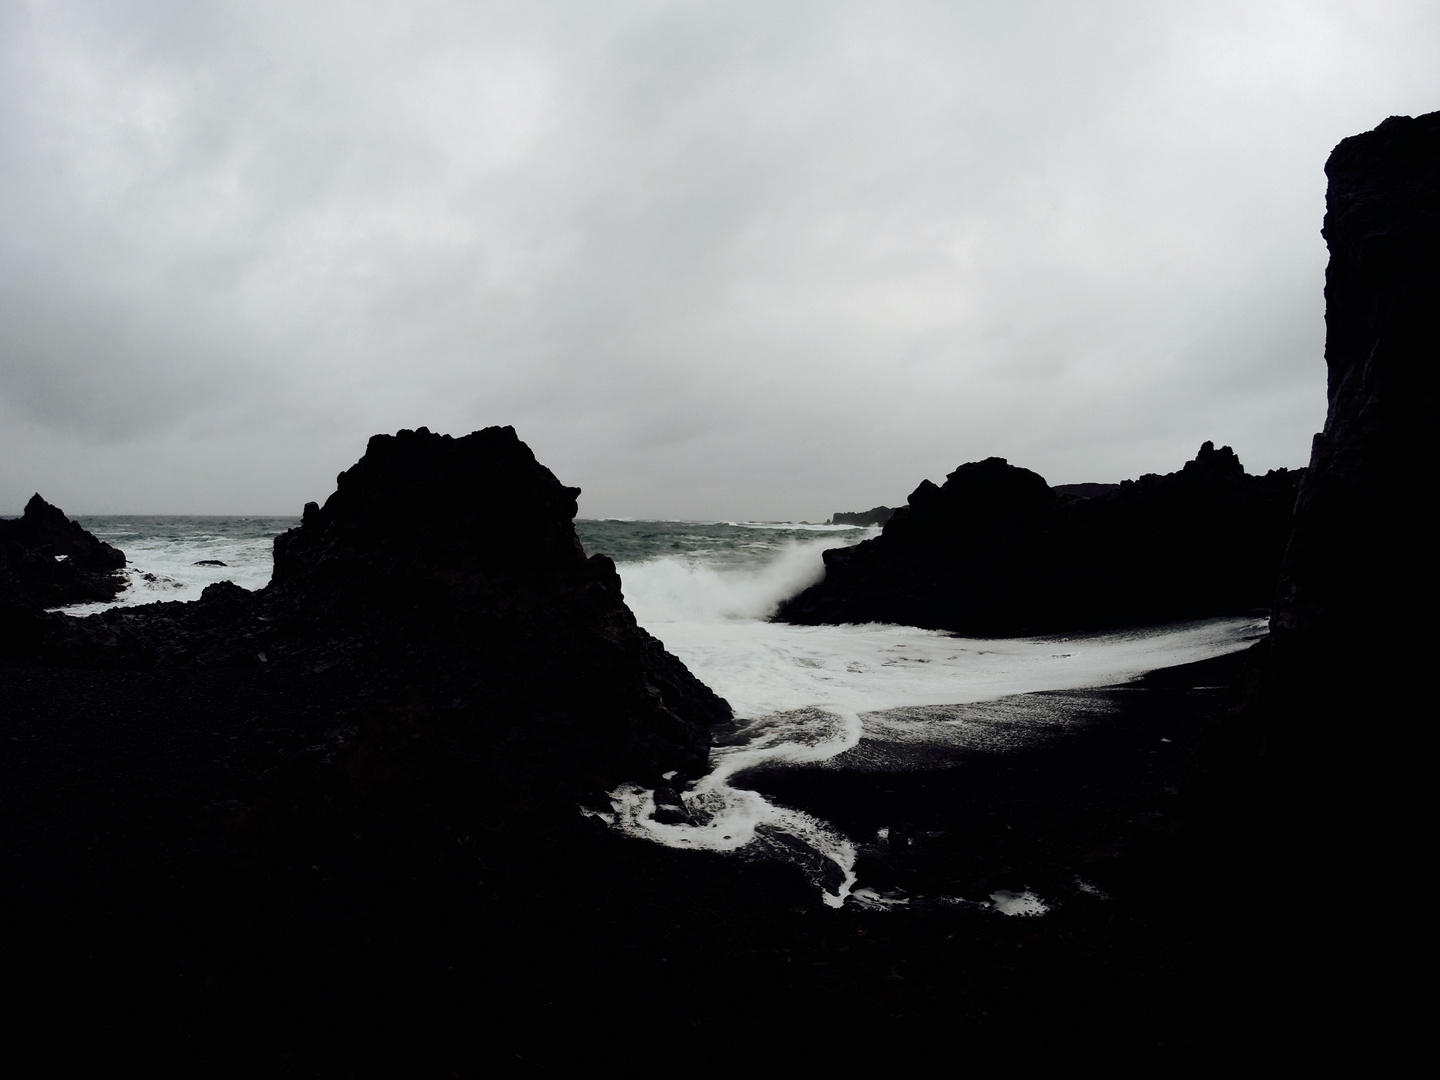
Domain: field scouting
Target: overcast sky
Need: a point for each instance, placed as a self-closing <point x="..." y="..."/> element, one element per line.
<point x="711" y="259"/>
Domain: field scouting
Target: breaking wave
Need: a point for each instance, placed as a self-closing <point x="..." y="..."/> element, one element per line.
<point x="805" y="695"/>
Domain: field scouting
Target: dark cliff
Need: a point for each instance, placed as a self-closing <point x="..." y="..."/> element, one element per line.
<point x="996" y="551"/>
<point x="1304" y="757"/>
<point x="1361" y="545"/>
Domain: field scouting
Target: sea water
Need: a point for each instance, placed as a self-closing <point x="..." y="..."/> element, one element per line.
<point x="870" y="697"/>
<point x="174" y="558"/>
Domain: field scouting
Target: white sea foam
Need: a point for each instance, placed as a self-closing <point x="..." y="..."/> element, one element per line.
<point x="1023" y="903"/>
<point x="713" y="619"/>
<point x="161" y="558"/>
<point x="807" y="694"/>
<point x="692" y="591"/>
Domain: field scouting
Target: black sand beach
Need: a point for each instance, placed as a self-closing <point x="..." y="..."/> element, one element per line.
<point x="410" y="947"/>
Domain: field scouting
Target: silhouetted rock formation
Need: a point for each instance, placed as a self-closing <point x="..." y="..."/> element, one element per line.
<point x="47" y="560"/>
<point x="1305" y="755"/>
<point x="453" y="564"/>
<point x="995" y="551"/>
<point x="876" y="515"/>
<point x="444" y="585"/>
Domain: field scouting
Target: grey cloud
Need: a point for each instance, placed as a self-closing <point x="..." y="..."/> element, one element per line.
<point x="709" y="258"/>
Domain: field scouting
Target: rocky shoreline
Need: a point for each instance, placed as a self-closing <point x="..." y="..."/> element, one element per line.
<point x="482" y="664"/>
<point x="317" y="830"/>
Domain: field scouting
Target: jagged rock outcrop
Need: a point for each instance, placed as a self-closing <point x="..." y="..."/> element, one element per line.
<point x="876" y="515"/>
<point x="47" y="560"/>
<point x="995" y="551"/>
<point x="452" y="565"/>
<point x="478" y="649"/>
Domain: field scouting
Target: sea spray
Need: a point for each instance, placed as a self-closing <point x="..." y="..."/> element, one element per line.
<point x="695" y="589"/>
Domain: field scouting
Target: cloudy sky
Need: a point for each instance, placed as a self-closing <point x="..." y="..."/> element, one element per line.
<point x="711" y="259"/>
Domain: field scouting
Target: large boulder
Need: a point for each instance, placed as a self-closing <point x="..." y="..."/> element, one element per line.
<point x="996" y="551"/>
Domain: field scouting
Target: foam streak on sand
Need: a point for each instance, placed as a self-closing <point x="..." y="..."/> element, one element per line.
<point x="728" y="818"/>
<point x="804" y="694"/>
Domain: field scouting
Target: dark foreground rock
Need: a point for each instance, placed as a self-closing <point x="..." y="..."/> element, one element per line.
<point x="486" y="662"/>
<point x="47" y="560"/>
<point x="443" y="946"/>
<point x="995" y="551"/>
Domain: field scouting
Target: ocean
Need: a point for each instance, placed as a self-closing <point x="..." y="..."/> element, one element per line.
<point x="870" y="698"/>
